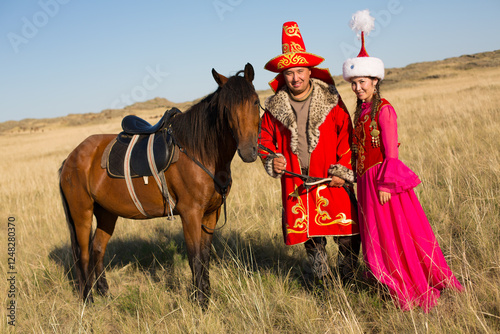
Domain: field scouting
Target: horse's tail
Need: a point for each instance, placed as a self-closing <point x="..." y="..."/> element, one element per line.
<point x="75" y="246"/>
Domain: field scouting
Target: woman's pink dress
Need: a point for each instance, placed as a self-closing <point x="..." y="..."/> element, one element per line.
<point x="399" y="245"/>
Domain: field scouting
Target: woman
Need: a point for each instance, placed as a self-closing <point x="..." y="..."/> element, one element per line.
<point x="399" y="246"/>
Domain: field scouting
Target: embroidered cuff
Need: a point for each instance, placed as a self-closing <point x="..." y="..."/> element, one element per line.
<point x="343" y="172"/>
<point x="268" y="165"/>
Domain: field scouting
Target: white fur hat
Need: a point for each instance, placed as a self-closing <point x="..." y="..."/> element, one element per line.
<point x="363" y="65"/>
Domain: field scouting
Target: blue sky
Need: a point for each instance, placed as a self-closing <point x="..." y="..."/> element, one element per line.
<point x="60" y="57"/>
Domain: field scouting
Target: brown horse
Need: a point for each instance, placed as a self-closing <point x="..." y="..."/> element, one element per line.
<point x="209" y="134"/>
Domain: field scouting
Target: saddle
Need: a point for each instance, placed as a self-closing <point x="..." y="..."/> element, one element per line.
<point x="153" y="138"/>
<point x="134" y="125"/>
<point x="142" y="149"/>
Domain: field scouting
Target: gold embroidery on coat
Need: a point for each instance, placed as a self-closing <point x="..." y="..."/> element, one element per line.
<point x="323" y="218"/>
<point x="360" y="134"/>
<point x="321" y="215"/>
<point x="341" y="220"/>
<point x="300" y="224"/>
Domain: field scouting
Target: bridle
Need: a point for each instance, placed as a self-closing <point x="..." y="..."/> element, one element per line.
<point x="308" y="180"/>
<point x="223" y="187"/>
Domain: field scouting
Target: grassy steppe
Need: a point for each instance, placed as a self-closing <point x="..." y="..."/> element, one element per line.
<point x="449" y="122"/>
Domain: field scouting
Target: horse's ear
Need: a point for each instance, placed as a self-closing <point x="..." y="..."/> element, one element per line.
<point x="249" y="73"/>
<point x="219" y="78"/>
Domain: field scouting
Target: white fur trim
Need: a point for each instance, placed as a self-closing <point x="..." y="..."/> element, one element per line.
<point x="363" y="67"/>
<point x="323" y="98"/>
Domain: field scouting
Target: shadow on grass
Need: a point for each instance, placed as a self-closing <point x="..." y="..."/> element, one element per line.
<point x="274" y="257"/>
<point x="162" y="252"/>
<point x="166" y="250"/>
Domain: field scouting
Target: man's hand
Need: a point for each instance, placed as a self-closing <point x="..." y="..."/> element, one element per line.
<point x="279" y="165"/>
<point x="384" y="197"/>
<point x="336" y="182"/>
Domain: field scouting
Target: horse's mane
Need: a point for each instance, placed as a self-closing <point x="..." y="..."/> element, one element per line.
<point x="199" y="129"/>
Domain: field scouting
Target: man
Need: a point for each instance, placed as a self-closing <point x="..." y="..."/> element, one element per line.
<point x="309" y="129"/>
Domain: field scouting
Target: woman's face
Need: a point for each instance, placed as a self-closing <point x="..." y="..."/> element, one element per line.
<point x="364" y="87"/>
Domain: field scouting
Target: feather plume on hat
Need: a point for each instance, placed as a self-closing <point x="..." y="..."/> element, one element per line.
<point x="363" y="65"/>
<point x="362" y="21"/>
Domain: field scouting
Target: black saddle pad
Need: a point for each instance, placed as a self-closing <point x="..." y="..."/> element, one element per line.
<point x="139" y="166"/>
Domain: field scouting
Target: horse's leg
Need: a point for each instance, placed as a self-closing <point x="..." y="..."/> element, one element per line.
<point x="79" y="219"/>
<point x="83" y="228"/>
<point x="105" y="226"/>
<point x="208" y="227"/>
<point x="198" y="244"/>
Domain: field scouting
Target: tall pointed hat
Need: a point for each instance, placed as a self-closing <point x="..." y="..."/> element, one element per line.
<point x="294" y="55"/>
<point x="363" y="65"/>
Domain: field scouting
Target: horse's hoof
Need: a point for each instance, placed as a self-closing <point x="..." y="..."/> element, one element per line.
<point x="103" y="291"/>
<point x="89" y="300"/>
<point x="201" y="299"/>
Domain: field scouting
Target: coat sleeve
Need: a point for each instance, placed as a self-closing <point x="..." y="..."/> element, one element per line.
<point x="267" y="139"/>
<point x="393" y="176"/>
<point x="343" y="127"/>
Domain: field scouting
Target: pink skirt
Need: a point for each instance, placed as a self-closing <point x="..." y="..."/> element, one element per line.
<point x="399" y="246"/>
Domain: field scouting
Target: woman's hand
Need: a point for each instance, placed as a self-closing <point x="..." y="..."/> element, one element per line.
<point x="384" y="197"/>
<point x="279" y="165"/>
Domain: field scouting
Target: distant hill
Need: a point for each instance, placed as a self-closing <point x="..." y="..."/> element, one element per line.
<point x="405" y="76"/>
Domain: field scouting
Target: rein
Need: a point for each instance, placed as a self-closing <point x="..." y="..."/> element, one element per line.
<point x="223" y="187"/>
<point x="308" y="180"/>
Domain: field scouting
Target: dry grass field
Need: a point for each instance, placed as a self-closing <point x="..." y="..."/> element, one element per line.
<point x="449" y="121"/>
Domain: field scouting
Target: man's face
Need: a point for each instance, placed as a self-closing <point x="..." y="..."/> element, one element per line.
<point x="297" y="80"/>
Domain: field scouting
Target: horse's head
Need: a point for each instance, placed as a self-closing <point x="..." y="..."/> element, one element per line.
<point x="241" y="103"/>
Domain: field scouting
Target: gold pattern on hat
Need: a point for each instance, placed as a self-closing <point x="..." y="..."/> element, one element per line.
<point x="292" y="30"/>
<point x="292" y="47"/>
<point x="291" y="59"/>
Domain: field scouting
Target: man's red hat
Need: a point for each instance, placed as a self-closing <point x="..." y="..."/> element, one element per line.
<point x="294" y="55"/>
<point x="294" y="51"/>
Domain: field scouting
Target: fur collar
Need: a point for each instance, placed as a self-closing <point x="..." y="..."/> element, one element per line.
<point x="324" y="97"/>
